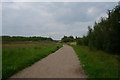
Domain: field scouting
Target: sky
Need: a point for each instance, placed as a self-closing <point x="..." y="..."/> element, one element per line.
<point x="51" y="19"/>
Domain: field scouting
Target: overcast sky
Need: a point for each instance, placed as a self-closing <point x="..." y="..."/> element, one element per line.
<point x="51" y="19"/>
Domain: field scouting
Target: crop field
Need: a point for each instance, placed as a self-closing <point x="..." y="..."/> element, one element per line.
<point x="18" y="55"/>
<point x="98" y="64"/>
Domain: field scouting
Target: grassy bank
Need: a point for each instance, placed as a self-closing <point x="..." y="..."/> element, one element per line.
<point x="97" y="64"/>
<point x="18" y="55"/>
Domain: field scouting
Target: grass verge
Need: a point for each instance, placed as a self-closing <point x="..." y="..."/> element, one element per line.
<point x="98" y="64"/>
<point x="18" y="55"/>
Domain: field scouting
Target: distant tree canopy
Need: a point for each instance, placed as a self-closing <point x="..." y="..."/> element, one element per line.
<point x="67" y="39"/>
<point x="20" y="38"/>
<point x="106" y="34"/>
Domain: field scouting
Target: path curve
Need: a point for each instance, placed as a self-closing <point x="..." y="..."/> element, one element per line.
<point x="63" y="63"/>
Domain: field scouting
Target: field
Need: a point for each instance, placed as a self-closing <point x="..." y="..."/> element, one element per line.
<point x="18" y="55"/>
<point x="97" y="64"/>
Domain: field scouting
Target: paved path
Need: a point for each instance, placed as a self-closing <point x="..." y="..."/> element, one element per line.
<point x="61" y="64"/>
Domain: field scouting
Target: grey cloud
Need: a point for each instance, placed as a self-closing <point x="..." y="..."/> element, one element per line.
<point x="78" y="12"/>
<point x="54" y="19"/>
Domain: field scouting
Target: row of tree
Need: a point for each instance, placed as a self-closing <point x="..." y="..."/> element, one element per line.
<point x="67" y="39"/>
<point x="21" y="38"/>
<point x="105" y="34"/>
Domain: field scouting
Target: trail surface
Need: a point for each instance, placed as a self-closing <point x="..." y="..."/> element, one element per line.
<point x="63" y="63"/>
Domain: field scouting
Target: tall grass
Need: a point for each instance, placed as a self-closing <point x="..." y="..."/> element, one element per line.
<point x="97" y="64"/>
<point x="17" y="56"/>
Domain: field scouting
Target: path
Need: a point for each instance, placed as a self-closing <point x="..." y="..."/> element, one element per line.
<point x="63" y="63"/>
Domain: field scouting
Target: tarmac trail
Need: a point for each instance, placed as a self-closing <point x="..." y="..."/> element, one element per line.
<point x="64" y="63"/>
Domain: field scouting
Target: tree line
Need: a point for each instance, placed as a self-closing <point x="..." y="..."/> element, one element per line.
<point x="21" y="38"/>
<point x="66" y="39"/>
<point x="105" y="34"/>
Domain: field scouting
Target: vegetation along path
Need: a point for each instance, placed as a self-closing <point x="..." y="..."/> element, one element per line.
<point x="64" y="63"/>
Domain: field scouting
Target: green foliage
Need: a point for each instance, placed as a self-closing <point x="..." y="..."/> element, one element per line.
<point x="82" y="41"/>
<point x="98" y="64"/>
<point x="105" y="33"/>
<point x="17" y="56"/>
<point x="67" y="39"/>
<point x="20" y="38"/>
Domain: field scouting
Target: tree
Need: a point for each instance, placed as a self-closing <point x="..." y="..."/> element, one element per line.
<point x="105" y="34"/>
<point x="67" y="39"/>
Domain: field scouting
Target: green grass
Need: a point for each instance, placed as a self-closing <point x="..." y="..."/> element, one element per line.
<point x="0" y="57"/>
<point x="18" y="55"/>
<point x="97" y="64"/>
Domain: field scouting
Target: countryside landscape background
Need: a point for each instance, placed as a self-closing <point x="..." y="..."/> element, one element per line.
<point x="34" y="31"/>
